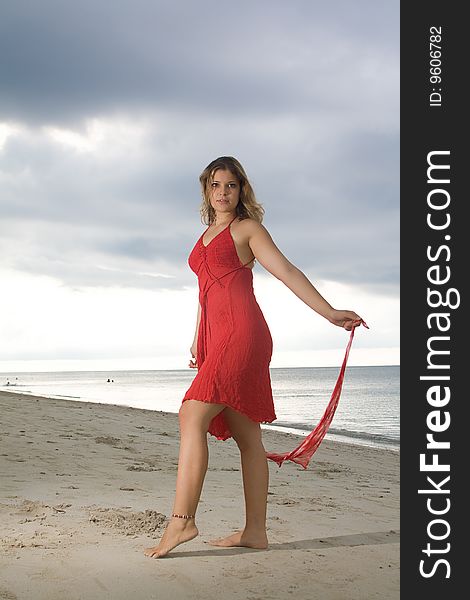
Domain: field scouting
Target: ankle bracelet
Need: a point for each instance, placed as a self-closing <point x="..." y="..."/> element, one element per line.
<point x="184" y="516"/>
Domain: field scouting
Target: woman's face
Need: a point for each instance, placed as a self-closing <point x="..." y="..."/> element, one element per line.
<point x="225" y="191"/>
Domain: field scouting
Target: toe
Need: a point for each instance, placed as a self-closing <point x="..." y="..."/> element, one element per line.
<point x="151" y="552"/>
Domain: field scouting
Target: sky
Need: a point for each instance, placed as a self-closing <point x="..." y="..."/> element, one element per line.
<point x="109" y="112"/>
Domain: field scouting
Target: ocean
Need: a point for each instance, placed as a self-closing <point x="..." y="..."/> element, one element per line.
<point x="368" y="412"/>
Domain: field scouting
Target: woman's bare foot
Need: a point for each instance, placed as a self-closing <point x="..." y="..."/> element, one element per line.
<point x="177" y="532"/>
<point x="245" y="540"/>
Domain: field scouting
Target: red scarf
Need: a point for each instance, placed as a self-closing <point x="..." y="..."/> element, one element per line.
<point x="304" y="452"/>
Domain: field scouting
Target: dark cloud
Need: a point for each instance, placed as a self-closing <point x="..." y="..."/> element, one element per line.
<point x="62" y="60"/>
<point x="305" y="94"/>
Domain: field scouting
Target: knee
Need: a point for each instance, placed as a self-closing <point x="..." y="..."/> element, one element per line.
<point x="190" y="421"/>
<point x="186" y="416"/>
<point x="249" y="442"/>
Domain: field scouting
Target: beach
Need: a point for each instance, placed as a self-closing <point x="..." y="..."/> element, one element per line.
<point x="86" y="487"/>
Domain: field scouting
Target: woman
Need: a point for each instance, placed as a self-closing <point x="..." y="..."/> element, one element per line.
<point x="231" y="393"/>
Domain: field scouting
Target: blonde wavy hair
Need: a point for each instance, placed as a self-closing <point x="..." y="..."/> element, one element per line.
<point x="247" y="207"/>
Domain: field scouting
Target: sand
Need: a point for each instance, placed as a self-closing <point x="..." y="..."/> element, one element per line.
<point x="85" y="488"/>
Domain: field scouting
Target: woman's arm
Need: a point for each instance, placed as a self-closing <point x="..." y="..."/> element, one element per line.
<point x="272" y="259"/>
<point x="198" y="321"/>
<point x="193" y="349"/>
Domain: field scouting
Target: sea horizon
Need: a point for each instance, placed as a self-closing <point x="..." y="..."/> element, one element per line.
<point x="13" y="371"/>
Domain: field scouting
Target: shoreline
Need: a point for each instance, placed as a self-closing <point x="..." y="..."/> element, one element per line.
<point x="352" y="438"/>
<point x="87" y="486"/>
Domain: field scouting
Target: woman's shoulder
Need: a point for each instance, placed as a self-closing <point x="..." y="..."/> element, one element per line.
<point x="248" y="228"/>
<point x="249" y="224"/>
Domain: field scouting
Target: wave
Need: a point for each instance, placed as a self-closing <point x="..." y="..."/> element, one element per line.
<point x="364" y="436"/>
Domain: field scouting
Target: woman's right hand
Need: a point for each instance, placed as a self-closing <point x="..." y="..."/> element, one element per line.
<point x="193" y="350"/>
<point x="346" y="319"/>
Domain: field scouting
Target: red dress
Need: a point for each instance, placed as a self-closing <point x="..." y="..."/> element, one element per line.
<point x="234" y="345"/>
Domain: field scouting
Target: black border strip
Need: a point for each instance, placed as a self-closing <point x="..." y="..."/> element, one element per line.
<point x="432" y="124"/>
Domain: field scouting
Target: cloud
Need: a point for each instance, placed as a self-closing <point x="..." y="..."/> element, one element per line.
<point x="110" y="111"/>
<point x="63" y="61"/>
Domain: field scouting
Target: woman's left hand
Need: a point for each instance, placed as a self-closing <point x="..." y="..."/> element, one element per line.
<point x="347" y="319"/>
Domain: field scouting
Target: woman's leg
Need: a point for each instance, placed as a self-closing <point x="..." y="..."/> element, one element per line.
<point x="247" y="435"/>
<point x="194" y="417"/>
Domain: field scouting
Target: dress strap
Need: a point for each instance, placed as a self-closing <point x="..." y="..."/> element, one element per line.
<point x="207" y="229"/>
<point x="253" y="259"/>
